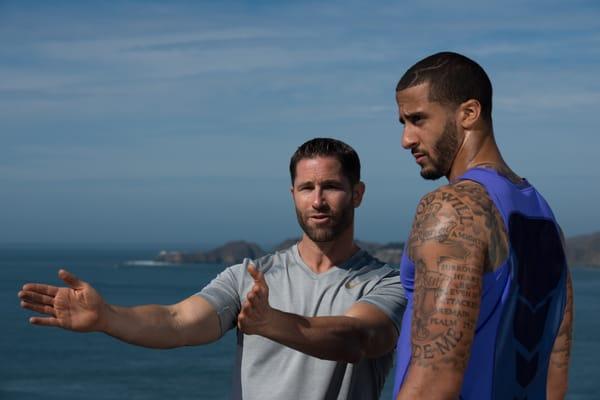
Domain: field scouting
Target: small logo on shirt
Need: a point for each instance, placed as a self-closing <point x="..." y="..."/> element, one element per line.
<point x="352" y="283"/>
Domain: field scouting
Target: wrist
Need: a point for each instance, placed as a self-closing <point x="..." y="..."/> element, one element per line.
<point x="104" y="317"/>
<point x="268" y="326"/>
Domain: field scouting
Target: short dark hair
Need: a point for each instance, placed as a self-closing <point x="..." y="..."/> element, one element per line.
<point x="328" y="147"/>
<point x="453" y="79"/>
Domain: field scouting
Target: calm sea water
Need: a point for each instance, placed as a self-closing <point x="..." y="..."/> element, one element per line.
<point x="50" y="363"/>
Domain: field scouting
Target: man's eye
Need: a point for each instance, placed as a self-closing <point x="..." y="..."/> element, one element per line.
<point x="416" y="120"/>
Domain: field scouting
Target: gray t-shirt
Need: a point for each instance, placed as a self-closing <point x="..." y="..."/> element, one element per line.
<point x="268" y="370"/>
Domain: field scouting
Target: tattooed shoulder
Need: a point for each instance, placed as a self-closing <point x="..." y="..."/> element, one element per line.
<point x="461" y="214"/>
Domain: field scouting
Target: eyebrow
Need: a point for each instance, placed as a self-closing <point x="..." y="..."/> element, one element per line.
<point x="409" y="116"/>
<point x="334" y="182"/>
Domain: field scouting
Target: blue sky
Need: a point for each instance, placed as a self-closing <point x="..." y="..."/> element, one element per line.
<point x="173" y="122"/>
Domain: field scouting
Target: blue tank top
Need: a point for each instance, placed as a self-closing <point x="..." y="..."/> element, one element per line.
<point x="522" y="302"/>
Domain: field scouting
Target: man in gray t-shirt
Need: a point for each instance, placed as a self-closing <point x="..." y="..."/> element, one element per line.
<point x="301" y="291"/>
<point x="316" y="321"/>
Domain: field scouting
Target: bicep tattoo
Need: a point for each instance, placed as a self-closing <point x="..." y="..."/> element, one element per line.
<point x="448" y="244"/>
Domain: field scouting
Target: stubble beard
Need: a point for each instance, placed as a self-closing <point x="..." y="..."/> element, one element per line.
<point x="445" y="150"/>
<point x="339" y="224"/>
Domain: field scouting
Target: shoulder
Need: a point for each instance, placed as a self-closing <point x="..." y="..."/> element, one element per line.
<point x="464" y="197"/>
<point x="275" y="260"/>
<point x="449" y="215"/>
<point x="263" y="263"/>
<point x="375" y="272"/>
<point x="271" y="264"/>
<point x="461" y="214"/>
<point x="369" y="265"/>
<point x="466" y="202"/>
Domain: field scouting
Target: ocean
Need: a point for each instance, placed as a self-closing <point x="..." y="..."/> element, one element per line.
<point x="49" y="363"/>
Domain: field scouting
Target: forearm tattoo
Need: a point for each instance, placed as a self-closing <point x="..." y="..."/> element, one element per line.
<point x="561" y="352"/>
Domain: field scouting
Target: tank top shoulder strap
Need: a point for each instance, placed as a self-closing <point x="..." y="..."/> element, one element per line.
<point x="501" y="190"/>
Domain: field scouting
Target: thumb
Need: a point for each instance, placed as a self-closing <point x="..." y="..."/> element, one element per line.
<point x="71" y="280"/>
<point x="255" y="273"/>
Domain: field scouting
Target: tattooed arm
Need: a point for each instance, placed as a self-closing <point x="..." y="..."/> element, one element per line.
<point x="558" y="369"/>
<point x="450" y="246"/>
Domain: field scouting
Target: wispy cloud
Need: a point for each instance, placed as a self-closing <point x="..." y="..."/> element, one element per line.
<point x="138" y="90"/>
<point x="552" y="101"/>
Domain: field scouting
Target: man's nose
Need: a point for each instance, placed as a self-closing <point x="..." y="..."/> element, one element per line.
<point x="318" y="198"/>
<point x="409" y="140"/>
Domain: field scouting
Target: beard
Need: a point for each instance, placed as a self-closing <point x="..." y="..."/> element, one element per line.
<point x="338" y="223"/>
<point x="445" y="149"/>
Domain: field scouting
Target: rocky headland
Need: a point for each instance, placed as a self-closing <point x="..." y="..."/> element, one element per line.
<point x="235" y="252"/>
<point x="583" y="250"/>
<point x="229" y="253"/>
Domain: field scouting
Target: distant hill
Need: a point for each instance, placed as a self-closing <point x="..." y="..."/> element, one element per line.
<point x="229" y="253"/>
<point x="235" y="252"/>
<point x="286" y="243"/>
<point x="584" y="250"/>
<point x="390" y="253"/>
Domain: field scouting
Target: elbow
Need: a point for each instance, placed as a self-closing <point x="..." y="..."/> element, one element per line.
<point x="344" y="356"/>
<point x="377" y="343"/>
<point x="345" y="351"/>
<point x="353" y="357"/>
<point x="363" y="346"/>
<point x="360" y="347"/>
<point x="556" y="390"/>
<point x="427" y="391"/>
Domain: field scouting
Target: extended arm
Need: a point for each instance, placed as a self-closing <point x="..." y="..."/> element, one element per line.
<point x="79" y="307"/>
<point x="362" y="332"/>
<point x="448" y="244"/>
<point x="559" y="359"/>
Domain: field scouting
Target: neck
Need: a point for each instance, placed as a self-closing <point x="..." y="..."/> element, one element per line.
<point x="477" y="149"/>
<point x="322" y="256"/>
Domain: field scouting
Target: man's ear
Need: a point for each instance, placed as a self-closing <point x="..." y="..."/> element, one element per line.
<point x="358" y="191"/>
<point x="469" y="114"/>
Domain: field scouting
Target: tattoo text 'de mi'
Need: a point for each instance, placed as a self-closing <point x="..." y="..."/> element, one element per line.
<point x="442" y="345"/>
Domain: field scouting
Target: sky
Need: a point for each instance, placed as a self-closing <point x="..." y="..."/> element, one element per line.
<point x="173" y="122"/>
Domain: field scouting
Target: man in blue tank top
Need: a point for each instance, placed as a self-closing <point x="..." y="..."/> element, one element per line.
<point x="489" y="293"/>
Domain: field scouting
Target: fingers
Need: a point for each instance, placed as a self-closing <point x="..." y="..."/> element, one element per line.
<point x="36" y="297"/>
<point x="259" y="279"/>
<point x="252" y="303"/>
<point x="39" y="308"/>
<point x="254" y="272"/>
<point x="257" y="294"/>
<point x="70" y="279"/>
<point x="44" y="321"/>
<point x="41" y="288"/>
<point x="256" y="305"/>
<point x="37" y="302"/>
<point x="249" y="304"/>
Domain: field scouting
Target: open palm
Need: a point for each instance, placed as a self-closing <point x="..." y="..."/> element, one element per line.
<point x="78" y="307"/>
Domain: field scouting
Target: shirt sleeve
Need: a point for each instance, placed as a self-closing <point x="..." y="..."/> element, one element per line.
<point x="389" y="296"/>
<point x="223" y="294"/>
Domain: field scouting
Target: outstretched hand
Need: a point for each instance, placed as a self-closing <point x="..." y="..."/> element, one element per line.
<point x="78" y="307"/>
<point x="256" y="311"/>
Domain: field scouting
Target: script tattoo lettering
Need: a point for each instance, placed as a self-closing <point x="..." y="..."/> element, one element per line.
<point x="456" y="237"/>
